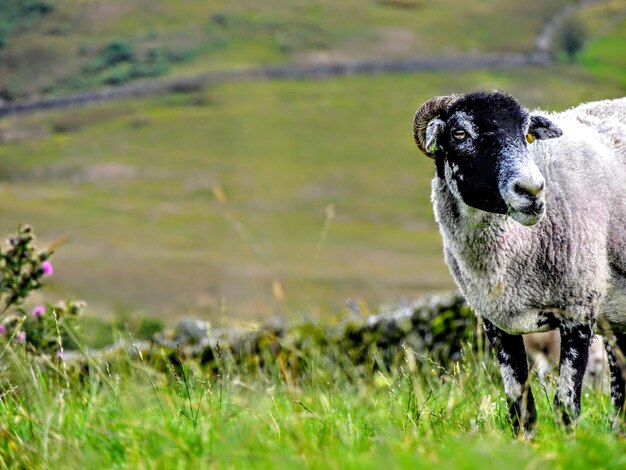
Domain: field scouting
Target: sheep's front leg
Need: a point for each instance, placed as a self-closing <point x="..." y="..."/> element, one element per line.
<point x="575" y="343"/>
<point x="514" y="370"/>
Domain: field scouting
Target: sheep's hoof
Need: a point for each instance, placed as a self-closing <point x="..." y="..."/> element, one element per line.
<point x="523" y="420"/>
<point x="566" y="415"/>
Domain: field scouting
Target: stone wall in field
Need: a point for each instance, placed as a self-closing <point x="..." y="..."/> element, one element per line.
<point x="433" y="329"/>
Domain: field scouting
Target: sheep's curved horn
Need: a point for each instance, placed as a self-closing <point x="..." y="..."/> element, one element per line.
<point x="428" y="111"/>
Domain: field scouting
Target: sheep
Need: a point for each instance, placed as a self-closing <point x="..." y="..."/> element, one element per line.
<point x="531" y="207"/>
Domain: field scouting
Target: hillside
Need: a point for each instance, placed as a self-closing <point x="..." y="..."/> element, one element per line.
<point x="252" y="199"/>
<point x="51" y="47"/>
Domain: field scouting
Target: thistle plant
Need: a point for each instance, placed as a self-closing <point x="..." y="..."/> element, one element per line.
<point x="23" y="268"/>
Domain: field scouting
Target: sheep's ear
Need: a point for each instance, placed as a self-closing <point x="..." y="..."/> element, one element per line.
<point x="542" y="128"/>
<point x="433" y="132"/>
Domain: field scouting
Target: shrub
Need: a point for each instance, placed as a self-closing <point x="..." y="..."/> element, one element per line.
<point x="16" y="13"/>
<point x="8" y="91"/>
<point x="22" y="269"/>
<point x="571" y="38"/>
<point x="118" y="63"/>
<point x="112" y="54"/>
<point x="155" y="63"/>
<point x="40" y="7"/>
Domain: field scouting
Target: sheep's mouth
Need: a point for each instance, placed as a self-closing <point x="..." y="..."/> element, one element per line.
<point x="530" y="215"/>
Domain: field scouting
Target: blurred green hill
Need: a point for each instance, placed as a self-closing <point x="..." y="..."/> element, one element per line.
<point x="251" y="199"/>
<point x="55" y="46"/>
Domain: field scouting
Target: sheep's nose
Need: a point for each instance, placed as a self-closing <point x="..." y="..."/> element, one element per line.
<point x="529" y="188"/>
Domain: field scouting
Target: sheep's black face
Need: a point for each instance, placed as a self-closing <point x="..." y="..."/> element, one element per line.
<point x="482" y="153"/>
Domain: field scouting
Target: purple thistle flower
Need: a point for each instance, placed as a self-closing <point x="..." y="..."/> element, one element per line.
<point x="21" y="336"/>
<point x="3" y="329"/>
<point x="47" y="268"/>
<point x="38" y="311"/>
<point x="60" y="355"/>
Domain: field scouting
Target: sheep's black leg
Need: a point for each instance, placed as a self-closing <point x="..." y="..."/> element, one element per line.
<point x="575" y="343"/>
<point x="514" y="370"/>
<point x="616" y="367"/>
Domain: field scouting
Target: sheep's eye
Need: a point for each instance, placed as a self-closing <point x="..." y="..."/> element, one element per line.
<point x="459" y="134"/>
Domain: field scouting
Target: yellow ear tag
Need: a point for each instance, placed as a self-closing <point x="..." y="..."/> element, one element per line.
<point x="529" y="138"/>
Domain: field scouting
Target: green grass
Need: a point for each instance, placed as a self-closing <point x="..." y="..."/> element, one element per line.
<point x="327" y="415"/>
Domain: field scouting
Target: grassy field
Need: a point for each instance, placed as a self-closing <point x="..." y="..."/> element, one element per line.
<point x="321" y="190"/>
<point x="326" y="415"/>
